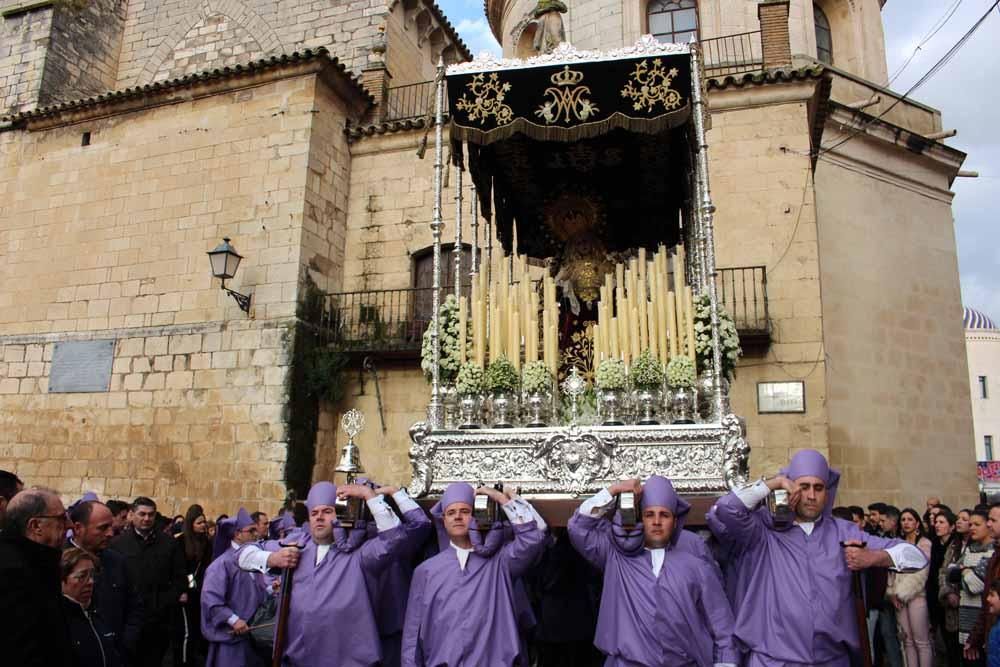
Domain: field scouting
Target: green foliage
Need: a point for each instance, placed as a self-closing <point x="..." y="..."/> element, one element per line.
<point x="610" y="374"/>
<point x="681" y="373"/>
<point x="471" y="379"/>
<point x="729" y="337"/>
<point x="501" y="376"/>
<point x="646" y="371"/>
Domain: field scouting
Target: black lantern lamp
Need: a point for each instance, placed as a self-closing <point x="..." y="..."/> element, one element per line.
<point x="225" y="260"/>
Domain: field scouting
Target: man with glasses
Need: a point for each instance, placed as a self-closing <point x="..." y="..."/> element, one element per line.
<point x="233" y="589"/>
<point x="115" y="599"/>
<point x="35" y="632"/>
<point x="155" y="564"/>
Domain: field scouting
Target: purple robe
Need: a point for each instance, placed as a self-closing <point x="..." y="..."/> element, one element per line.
<point x="458" y="617"/>
<point x="228" y="590"/>
<point x="391" y="589"/>
<point x="332" y="618"/>
<point x="796" y="606"/>
<point x="676" y="619"/>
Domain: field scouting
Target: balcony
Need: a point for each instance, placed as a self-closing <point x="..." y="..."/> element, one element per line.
<point x="391" y="323"/>
<point x="724" y="56"/>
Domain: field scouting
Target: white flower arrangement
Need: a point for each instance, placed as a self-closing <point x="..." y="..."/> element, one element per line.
<point x="471" y="379"/>
<point x="729" y="337"/>
<point x="681" y="373"/>
<point x="450" y="338"/>
<point x="536" y="378"/>
<point x="501" y="376"/>
<point x="610" y="374"/>
<point x="646" y="371"/>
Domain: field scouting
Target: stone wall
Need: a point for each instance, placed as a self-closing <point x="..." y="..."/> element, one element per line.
<point x="22" y="58"/>
<point x="167" y="37"/>
<point x="108" y="241"/>
<point x="82" y="55"/>
<point x="897" y="381"/>
<point x="194" y="414"/>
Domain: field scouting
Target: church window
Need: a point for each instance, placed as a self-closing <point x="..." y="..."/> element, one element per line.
<point x="824" y="37"/>
<point x="673" y="20"/>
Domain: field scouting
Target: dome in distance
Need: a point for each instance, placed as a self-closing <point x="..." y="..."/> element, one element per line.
<point x="973" y="319"/>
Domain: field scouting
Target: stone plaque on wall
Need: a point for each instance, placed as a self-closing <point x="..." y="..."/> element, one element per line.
<point x="81" y="366"/>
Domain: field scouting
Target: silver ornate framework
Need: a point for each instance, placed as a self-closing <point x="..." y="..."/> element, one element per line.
<point x="566" y="53"/>
<point x="575" y="460"/>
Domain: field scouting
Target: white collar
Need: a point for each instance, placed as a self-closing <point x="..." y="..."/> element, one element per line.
<point x="807" y="526"/>
<point x="234" y="544"/>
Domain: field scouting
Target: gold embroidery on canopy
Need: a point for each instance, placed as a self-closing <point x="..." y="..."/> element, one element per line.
<point x="652" y="87"/>
<point x="568" y="101"/>
<point x="487" y="101"/>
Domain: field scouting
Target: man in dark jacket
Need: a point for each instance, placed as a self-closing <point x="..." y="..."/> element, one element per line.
<point x="10" y="486"/>
<point x="34" y="632"/>
<point x="155" y="564"/>
<point x="115" y="599"/>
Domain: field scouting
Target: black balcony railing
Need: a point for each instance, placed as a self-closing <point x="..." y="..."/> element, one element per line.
<point x="414" y="100"/>
<point x="733" y="54"/>
<point x="742" y="292"/>
<point x="394" y="321"/>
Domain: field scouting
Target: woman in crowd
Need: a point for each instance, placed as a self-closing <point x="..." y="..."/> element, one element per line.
<point x="972" y="574"/>
<point x="946" y="550"/>
<point x="962" y="524"/>
<point x="93" y="643"/>
<point x="189" y="646"/>
<point x="907" y="593"/>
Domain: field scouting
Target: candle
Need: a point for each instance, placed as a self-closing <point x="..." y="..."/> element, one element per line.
<point x="643" y="317"/>
<point x="671" y="308"/>
<point x="642" y="264"/>
<point x="661" y="318"/>
<point x="615" y="351"/>
<point x="461" y="330"/>
<point x="654" y="342"/>
<point x="515" y="342"/>
<point x="634" y="321"/>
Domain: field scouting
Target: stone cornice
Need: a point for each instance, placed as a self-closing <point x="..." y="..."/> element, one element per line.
<point x="446" y="25"/>
<point x="202" y="84"/>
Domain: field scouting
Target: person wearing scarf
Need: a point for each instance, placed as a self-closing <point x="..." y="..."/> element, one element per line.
<point x="797" y="608"/>
<point x="461" y="609"/>
<point x="331" y="617"/>
<point x="662" y="605"/>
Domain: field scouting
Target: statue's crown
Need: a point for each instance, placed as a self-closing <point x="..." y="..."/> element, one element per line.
<point x="566" y="77"/>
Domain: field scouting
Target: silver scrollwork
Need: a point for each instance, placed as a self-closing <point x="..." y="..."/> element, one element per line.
<point x="576" y="457"/>
<point x="737" y="452"/>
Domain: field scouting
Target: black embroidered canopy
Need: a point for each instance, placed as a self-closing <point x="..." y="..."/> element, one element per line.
<point x="563" y="146"/>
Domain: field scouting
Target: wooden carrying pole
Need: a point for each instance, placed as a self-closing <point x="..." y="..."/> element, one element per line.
<point x="281" y="632"/>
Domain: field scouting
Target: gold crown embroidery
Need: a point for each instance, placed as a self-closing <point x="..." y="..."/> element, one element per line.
<point x="568" y="98"/>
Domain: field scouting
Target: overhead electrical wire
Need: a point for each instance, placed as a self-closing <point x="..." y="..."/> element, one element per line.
<point x="934" y="30"/>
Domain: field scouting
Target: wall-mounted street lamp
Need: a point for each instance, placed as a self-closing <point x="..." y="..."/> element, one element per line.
<point x="225" y="260"/>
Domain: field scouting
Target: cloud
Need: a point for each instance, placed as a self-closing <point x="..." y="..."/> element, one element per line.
<point x="477" y="34"/>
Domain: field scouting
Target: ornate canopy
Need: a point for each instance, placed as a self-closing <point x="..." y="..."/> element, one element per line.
<point x="606" y="130"/>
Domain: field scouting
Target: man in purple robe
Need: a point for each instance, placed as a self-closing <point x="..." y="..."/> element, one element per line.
<point x="230" y="596"/>
<point x="461" y="606"/>
<point x="661" y="606"/>
<point x="331" y="618"/>
<point x="796" y="607"/>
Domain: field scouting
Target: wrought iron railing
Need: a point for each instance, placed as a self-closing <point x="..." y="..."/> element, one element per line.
<point x="410" y="101"/>
<point x="395" y="320"/>
<point x="733" y="54"/>
<point x="730" y="54"/>
<point x="742" y="291"/>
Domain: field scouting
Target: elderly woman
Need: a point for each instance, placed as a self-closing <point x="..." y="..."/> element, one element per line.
<point x="93" y="643"/>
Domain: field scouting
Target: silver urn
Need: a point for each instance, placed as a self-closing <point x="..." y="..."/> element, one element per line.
<point x="537" y="405"/>
<point x="610" y="405"/>
<point x="504" y="406"/>
<point x="647" y="403"/>
<point x="682" y="405"/>
<point x="469" y="405"/>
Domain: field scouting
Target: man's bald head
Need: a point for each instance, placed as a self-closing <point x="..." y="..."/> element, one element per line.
<point x="38" y="514"/>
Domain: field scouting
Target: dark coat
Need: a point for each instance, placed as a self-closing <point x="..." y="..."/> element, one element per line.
<point x="33" y="632"/>
<point x="93" y="641"/>
<point x="156" y="569"/>
<point x="118" y="603"/>
<point x="985" y="621"/>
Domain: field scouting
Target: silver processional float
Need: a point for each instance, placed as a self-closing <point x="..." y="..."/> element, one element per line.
<point x="557" y="422"/>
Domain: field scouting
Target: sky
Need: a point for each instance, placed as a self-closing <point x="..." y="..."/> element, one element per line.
<point x="965" y="91"/>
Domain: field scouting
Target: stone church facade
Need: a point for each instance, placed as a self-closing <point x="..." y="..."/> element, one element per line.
<point x="139" y="133"/>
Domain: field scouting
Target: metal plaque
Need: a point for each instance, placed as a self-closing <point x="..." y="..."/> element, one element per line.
<point x="81" y="366"/>
<point x="781" y="397"/>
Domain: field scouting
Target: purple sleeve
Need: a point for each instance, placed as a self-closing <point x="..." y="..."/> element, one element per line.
<point x="740" y="525"/>
<point x="213" y="598"/>
<point x="410" y="652"/>
<point x="520" y="554"/>
<point x="591" y="537"/>
<point x="719" y="616"/>
<point x="378" y="553"/>
<point x="416" y="527"/>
